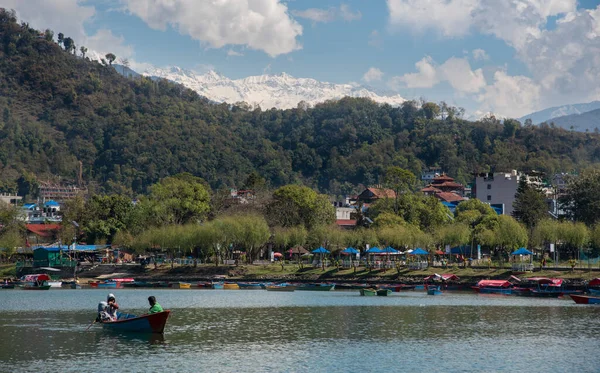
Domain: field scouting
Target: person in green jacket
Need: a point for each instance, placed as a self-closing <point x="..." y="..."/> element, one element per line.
<point x="154" y="306"/>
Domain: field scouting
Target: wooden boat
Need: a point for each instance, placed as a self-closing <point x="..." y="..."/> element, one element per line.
<point x="433" y="290"/>
<point x="250" y="285"/>
<point x="113" y="283"/>
<point x="493" y="287"/>
<point x="7" y="286"/>
<point x="218" y="285"/>
<point x="383" y="292"/>
<point x="584" y="299"/>
<point x="35" y="282"/>
<point x="280" y="288"/>
<point x="354" y="286"/>
<point x="368" y="292"/>
<point x="594" y="291"/>
<point x="316" y="287"/>
<point x="231" y="286"/>
<point x="151" y="323"/>
<point x="75" y="285"/>
<point x="181" y="285"/>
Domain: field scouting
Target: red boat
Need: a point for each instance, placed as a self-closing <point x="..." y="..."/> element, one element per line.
<point x="584" y="299"/>
<point x="151" y="323"/>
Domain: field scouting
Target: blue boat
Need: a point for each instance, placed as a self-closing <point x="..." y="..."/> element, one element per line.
<point x="250" y="285"/>
<point x="493" y="287"/>
<point x="151" y="323"/>
<point x="594" y="291"/>
<point x="315" y="287"/>
<point x="218" y="285"/>
<point x="433" y="290"/>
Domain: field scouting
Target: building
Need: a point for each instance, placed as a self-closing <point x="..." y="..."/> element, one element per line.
<point x="499" y="188"/>
<point x="444" y="188"/>
<point x="49" y="212"/>
<point x="371" y="195"/>
<point x="10" y="199"/>
<point x="430" y="174"/>
<point x="59" y="192"/>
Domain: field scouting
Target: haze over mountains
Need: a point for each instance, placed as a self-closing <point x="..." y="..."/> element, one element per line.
<point x="548" y="115"/>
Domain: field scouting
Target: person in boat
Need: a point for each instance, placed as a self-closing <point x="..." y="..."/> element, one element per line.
<point x="103" y="312"/>
<point x="113" y="306"/>
<point x="154" y="306"/>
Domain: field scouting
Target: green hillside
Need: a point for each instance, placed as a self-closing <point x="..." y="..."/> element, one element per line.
<point x="57" y="108"/>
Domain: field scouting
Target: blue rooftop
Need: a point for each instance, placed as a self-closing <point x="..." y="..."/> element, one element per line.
<point x="51" y="203"/>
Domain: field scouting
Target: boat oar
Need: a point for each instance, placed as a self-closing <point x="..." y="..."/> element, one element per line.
<point x="89" y="326"/>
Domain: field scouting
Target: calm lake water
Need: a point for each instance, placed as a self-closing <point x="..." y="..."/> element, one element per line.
<point x="340" y="331"/>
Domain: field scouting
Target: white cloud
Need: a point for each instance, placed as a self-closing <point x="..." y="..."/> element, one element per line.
<point x="372" y="75"/>
<point x="328" y="15"/>
<point x="510" y="96"/>
<point x="348" y="15"/>
<point x="456" y="71"/>
<point x="258" y="24"/>
<point x="233" y="53"/>
<point x="450" y="17"/>
<point x="480" y="55"/>
<point x="104" y="41"/>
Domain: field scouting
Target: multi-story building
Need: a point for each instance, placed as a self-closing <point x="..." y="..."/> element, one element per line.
<point x="59" y="192"/>
<point x="499" y="188"/>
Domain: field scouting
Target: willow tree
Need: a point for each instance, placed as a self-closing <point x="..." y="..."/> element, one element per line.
<point x="253" y="233"/>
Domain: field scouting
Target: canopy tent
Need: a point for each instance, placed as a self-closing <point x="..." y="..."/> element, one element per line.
<point x="444" y="277"/>
<point x="494" y="283"/>
<point x="373" y="250"/>
<point x="419" y="251"/>
<point x="522" y="251"/>
<point x="320" y="250"/>
<point x="350" y="250"/>
<point x="277" y="255"/>
<point x="594" y="282"/>
<point x="389" y="250"/>
<point x="439" y="252"/>
<point x="34" y="278"/>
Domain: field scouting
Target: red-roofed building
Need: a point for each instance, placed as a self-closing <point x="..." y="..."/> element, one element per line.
<point x="371" y="195"/>
<point x="346" y="223"/>
<point x="41" y="233"/>
<point x="449" y="197"/>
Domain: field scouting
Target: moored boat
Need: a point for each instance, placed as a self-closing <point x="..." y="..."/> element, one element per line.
<point x="368" y="292"/>
<point x="7" y="286"/>
<point x="151" y="323"/>
<point x="35" y="282"/>
<point x="218" y="285"/>
<point x="433" y="290"/>
<point x="315" y="287"/>
<point x="231" y="286"/>
<point x="585" y="299"/>
<point x="55" y="284"/>
<point x="594" y="291"/>
<point x="181" y="285"/>
<point x="281" y="287"/>
<point x="493" y="287"/>
<point x="250" y="285"/>
<point x="113" y="283"/>
<point x="383" y="292"/>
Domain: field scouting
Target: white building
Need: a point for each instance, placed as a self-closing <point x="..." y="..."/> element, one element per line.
<point x="499" y="188"/>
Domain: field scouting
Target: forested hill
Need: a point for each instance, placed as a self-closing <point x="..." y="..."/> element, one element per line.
<point x="57" y="108"/>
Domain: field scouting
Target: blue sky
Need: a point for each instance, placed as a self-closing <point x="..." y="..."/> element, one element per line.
<point x="509" y="57"/>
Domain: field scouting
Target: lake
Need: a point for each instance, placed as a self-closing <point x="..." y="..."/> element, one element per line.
<point x="338" y="331"/>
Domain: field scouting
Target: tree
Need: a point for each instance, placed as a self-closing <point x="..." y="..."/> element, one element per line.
<point x="509" y="235"/>
<point x="49" y="35"/>
<point x="400" y="181"/>
<point x="530" y="204"/>
<point x="179" y="199"/>
<point x="253" y="234"/>
<point x="294" y="205"/>
<point x="83" y="51"/>
<point x="110" y="58"/>
<point x="582" y="197"/>
<point x="69" y="44"/>
<point x="61" y="38"/>
<point x="105" y="216"/>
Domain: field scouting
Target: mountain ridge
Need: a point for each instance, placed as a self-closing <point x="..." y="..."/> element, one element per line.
<point x="281" y="91"/>
<point x="549" y="114"/>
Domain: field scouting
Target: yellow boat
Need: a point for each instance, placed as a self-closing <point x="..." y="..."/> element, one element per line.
<point x="181" y="285"/>
<point x="231" y="286"/>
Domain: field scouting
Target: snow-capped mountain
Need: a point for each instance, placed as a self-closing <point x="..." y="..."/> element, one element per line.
<point x="560" y="111"/>
<point x="281" y="91"/>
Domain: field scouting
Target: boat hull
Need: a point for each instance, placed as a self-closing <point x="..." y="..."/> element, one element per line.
<point x="43" y="287"/>
<point x="181" y="285"/>
<point x="250" y="286"/>
<point x="492" y="290"/>
<point x="232" y="286"/>
<point x="383" y="292"/>
<point x="316" y="287"/>
<point x="594" y="291"/>
<point x="583" y="299"/>
<point x="368" y="292"/>
<point x="280" y="288"/>
<point x="152" y="323"/>
<point x="434" y="290"/>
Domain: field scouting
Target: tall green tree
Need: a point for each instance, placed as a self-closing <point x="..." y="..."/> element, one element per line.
<point x="294" y="205"/>
<point x="400" y="181"/>
<point x="110" y="58"/>
<point x="582" y="197"/>
<point x="530" y="205"/>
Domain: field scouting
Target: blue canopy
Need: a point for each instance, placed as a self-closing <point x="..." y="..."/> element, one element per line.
<point x="321" y="250"/>
<point x="419" y="251"/>
<point x="389" y="250"/>
<point x="350" y="250"/>
<point x="373" y="250"/>
<point x="522" y="251"/>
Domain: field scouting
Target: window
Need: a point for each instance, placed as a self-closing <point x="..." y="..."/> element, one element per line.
<point x="489" y="198"/>
<point x="489" y="186"/>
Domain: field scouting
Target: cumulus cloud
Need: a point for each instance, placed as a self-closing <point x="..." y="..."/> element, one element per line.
<point x="510" y="96"/>
<point x="373" y="75"/>
<point x="233" y="53"/>
<point x="480" y="55"/>
<point x="328" y="15"/>
<point x="456" y="71"/>
<point x="258" y="24"/>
